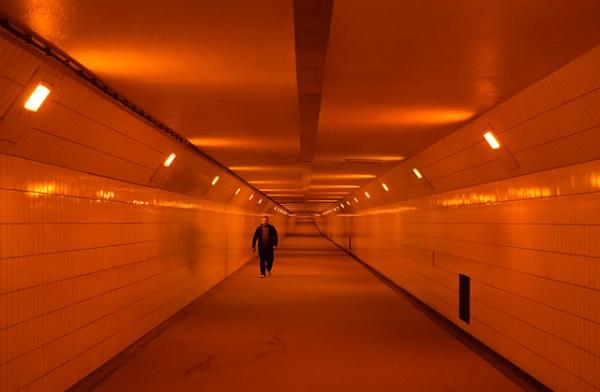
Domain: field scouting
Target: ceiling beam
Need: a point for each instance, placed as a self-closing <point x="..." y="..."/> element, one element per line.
<point x="312" y="21"/>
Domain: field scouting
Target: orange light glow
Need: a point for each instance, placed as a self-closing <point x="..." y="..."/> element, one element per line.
<point x="271" y="182"/>
<point x="237" y="191"/>
<point x="37" y="98"/>
<point x="384" y="186"/>
<point x="215" y="180"/>
<point x="169" y="160"/>
<point x="424" y="116"/>
<point x="263" y="169"/>
<point x="318" y="176"/>
<point x="403" y="116"/>
<point x="417" y="173"/>
<point x="43" y="188"/>
<point x="334" y="186"/>
<point x="367" y="194"/>
<point x="491" y="139"/>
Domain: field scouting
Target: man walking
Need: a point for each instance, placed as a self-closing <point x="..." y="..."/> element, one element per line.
<point x="266" y="236"/>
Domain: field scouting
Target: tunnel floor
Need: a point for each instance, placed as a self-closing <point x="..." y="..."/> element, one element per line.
<point x="322" y="322"/>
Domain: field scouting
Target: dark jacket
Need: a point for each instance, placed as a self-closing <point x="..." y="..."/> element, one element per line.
<point x="258" y="238"/>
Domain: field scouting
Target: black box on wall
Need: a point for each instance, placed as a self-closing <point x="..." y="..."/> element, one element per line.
<point x="464" y="298"/>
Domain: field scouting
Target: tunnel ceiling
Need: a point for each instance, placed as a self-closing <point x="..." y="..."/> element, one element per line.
<point x="309" y="99"/>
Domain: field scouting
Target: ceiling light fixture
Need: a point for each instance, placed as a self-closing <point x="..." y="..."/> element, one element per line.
<point x="215" y="180"/>
<point x="491" y="139"/>
<point x="251" y="197"/>
<point x="367" y="194"/>
<point x="237" y="191"/>
<point x="417" y="173"/>
<point x="384" y="186"/>
<point x="37" y="98"/>
<point x="169" y="160"/>
<point x="356" y="199"/>
<point x="260" y="201"/>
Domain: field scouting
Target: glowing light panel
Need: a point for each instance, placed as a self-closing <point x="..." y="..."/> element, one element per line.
<point x="417" y="173"/>
<point x="169" y="160"/>
<point x="215" y="180"/>
<point x="37" y="98"/>
<point x="492" y="141"/>
<point x="384" y="186"/>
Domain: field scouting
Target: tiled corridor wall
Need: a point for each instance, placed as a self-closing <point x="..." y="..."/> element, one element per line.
<point x="99" y="243"/>
<point x="528" y="236"/>
<point x="88" y="265"/>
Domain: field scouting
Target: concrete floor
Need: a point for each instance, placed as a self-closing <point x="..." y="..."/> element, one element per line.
<point x="322" y="322"/>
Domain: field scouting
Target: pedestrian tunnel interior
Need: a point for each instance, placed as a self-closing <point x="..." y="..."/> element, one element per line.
<point x="432" y="169"/>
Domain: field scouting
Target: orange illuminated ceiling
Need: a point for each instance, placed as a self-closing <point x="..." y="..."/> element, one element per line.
<point x="298" y="97"/>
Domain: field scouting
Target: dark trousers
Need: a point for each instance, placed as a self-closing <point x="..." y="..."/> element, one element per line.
<point x="266" y="257"/>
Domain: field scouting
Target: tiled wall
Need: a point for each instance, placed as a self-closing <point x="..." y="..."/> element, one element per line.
<point x="528" y="237"/>
<point x="99" y="242"/>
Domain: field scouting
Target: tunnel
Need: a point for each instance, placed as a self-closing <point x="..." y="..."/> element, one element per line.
<point x="300" y="195"/>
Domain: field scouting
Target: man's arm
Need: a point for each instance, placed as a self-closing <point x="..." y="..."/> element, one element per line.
<point x="254" y="239"/>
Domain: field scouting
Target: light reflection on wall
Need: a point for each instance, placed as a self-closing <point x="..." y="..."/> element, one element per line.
<point x="482" y="198"/>
<point x="43" y="188"/>
<point x="105" y="195"/>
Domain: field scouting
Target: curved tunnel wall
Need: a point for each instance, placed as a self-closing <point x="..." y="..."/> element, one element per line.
<point x="523" y="223"/>
<point x="99" y="241"/>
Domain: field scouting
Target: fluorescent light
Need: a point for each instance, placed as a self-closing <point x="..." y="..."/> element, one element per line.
<point x="367" y="194"/>
<point x="215" y="180"/>
<point x="37" y="98"/>
<point x="347" y="202"/>
<point x="356" y="199"/>
<point x="385" y="187"/>
<point x="169" y="160"/>
<point x="260" y="201"/>
<point x="237" y="191"/>
<point x="417" y="173"/>
<point x="343" y="206"/>
<point x="251" y="197"/>
<point x="492" y="141"/>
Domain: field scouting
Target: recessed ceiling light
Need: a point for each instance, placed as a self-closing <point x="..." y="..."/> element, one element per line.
<point x="347" y="202"/>
<point x="237" y="191"/>
<point x="215" y="180"/>
<point x="367" y="194"/>
<point x="492" y="141"/>
<point x="384" y="186"/>
<point x="417" y="173"/>
<point x="356" y="199"/>
<point x="169" y="160"/>
<point x="251" y="197"/>
<point x="260" y="201"/>
<point x="37" y="98"/>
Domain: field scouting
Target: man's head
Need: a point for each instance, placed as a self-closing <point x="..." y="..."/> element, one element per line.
<point x="265" y="220"/>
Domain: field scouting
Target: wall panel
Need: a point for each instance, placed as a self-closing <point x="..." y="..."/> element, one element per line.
<point x="527" y="236"/>
<point x="99" y="242"/>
